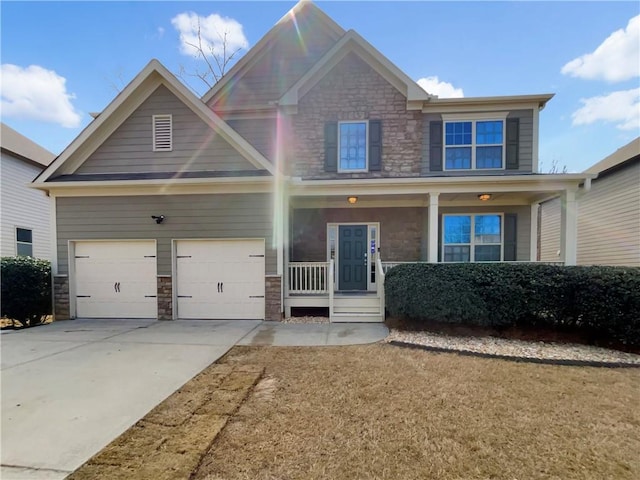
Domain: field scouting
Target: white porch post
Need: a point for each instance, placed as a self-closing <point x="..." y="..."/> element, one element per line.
<point x="286" y="212"/>
<point x="569" y="228"/>
<point x="433" y="228"/>
<point x="533" y="250"/>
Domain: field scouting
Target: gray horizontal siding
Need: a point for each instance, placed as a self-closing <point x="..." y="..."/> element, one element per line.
<point x="259" y="132"/>
<point x="525" y="147"/>
<point x="196" y="147"/>
<point x="523" y="240"/>
<point x="187" y="216"/>
<point x="609" y="220"/>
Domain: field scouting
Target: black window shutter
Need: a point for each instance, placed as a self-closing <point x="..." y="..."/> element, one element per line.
<point x="375" y="145"/>
<point x="331" y="147"/>
<point x="513" y="140"/>
<point x="435" y="146"/>
<point x="510" y="236"/>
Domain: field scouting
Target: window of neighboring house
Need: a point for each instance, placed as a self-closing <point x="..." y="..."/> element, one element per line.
<point x="24" y="242"/>
<point x="474" y="144"/>
<point x="162" y="133"/>
<point x="472" y="238"/>
<point x="352" y="146"/>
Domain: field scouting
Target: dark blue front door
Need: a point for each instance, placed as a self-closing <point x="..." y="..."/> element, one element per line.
<point x="352" y="257"/>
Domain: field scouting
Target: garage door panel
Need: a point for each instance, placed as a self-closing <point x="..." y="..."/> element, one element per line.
<point x="220" y="279"/>
<point x="116" y="279"/>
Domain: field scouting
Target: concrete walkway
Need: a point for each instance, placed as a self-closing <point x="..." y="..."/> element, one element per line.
<point x="71" y="387"/>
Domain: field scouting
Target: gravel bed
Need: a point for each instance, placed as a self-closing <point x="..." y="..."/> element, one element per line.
<point x="500" y="346"/>
<point x="514" y="348"/>
<point x="306" y="320"/>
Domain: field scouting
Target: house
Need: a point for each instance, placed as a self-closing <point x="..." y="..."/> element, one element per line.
<point x="26" y="213"/>
<point x="608" y="214"/>
<point x="312" y="167"/>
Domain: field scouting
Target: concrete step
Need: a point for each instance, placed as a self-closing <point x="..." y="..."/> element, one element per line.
<point x="356" y="301"/>
<point x="356" y="317"/>
<point x="356" y="308"/>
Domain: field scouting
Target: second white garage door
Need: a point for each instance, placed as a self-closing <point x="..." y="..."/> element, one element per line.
<point x="220" y="279"/>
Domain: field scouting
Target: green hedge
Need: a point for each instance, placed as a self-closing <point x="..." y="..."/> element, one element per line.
<point x="602" y="302"/>
<point x="26" y="289"/>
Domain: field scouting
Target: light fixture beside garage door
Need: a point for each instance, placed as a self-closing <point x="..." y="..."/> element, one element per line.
<point x="158" y="218"/>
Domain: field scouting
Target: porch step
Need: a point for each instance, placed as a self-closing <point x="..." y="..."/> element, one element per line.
<point x="368" y="309"/>
<point x="340" y="301"/>
<point x="356" y="317"/>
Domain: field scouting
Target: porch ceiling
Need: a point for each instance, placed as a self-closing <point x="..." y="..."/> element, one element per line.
<point x="420" y="200"/>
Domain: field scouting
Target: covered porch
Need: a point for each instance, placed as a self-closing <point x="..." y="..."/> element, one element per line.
<point x="342" y="237"/>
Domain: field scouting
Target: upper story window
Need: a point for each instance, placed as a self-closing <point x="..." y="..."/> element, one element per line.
<point x="162" y="133"/>
<point x="353" y="141"/>
<point x="472" y="238"/>
<point x="474" y="144"/>
<point x="353" y="146"/>
<point x="24" y="242"/>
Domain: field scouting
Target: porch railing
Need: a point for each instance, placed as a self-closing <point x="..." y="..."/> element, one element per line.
<point x="308" y="277"/>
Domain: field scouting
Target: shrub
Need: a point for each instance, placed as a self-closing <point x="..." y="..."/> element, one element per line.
<point x="601" y="302"/>
<point x="26" y="289"/>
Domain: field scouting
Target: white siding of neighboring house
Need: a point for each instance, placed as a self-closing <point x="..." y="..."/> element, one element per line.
<point x="23" y="207"/>
<point x="609" y="220"/>
<point x="550" y="230"/>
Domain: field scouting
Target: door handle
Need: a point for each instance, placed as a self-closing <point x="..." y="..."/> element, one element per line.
<point x="218" y="287"/>
<point x="221" y="287"/>
<point x="116" y="287"/>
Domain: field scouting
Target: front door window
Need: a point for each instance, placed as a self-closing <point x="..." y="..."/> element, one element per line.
<point x="352" y="254"/>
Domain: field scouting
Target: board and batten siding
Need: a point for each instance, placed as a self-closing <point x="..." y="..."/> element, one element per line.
<point x="196" y="146"/>
<point x="549" y="225"/>
<point x="525" y="146"/>
<point x="186" y="217"/>
<point x="523" y="238"/>
<point x="609" y="219"/>
<point x="23" y="207"/>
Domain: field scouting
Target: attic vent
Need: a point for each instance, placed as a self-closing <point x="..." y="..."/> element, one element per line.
<point x="162" y="133"/>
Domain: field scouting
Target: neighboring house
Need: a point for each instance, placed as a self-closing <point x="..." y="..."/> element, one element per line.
<point x="25" y="215"/>
<point x="608" y="213"/>
<point x="312" y="167"/>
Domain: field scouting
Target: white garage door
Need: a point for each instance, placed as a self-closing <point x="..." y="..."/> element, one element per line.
<point x="220" y="279"/>
<point x="116" y="279"/>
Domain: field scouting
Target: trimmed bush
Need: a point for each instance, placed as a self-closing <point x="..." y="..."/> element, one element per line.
<point x="601" y="302"/>
<point x="26" y="289"/>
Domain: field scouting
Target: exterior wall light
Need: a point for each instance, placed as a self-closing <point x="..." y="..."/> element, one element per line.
<point x="352" y="200"/>
<point x="158" y="218"/>
<point x="484" y="197"/>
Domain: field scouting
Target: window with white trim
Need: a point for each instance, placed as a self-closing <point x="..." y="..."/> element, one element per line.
<point x="353" y="140"/>
<point x="474" y="144"/>
<point x="24" y="242"/>
<point x="472" y="238"/>
<point x="162" y="133"/>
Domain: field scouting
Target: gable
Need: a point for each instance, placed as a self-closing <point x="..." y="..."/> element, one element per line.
<point x="289" y="50"/>
<point x="196" y="146"/>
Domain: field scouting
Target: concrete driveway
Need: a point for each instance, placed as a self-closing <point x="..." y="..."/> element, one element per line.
<point x="71" y="387"/>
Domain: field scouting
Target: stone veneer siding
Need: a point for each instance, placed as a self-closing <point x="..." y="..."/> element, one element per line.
<point x="273" y="298"/>
<point x="165" y="297"/>
<point x="61" y="297"/>
<point x="355" y="91"/>
<point x="400" y="231"/>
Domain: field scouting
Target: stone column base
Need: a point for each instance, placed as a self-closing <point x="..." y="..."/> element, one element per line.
<point x="61" y="297"/>
<point x="165" y="297"/>
<point x="273" y="298"/>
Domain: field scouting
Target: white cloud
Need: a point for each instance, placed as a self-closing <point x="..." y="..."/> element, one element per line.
<point x="214" y="32"/>
<point x="616" y="59"/>
<point x="621" y="108"/>
<point x="38" y="94"/>
<point x="434" y="86"/>
<point x="160" y="32"/>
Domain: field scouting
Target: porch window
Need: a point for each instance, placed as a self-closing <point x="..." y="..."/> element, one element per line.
<point x="474" y="144"/>
<point x="472" y="238"/>
<point x="353" y="146"/>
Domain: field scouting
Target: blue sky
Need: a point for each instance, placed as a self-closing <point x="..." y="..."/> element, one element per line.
<point x="71" y="58"/>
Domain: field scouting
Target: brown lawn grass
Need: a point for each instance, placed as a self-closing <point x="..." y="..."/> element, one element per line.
<point x="383" y="412"/>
